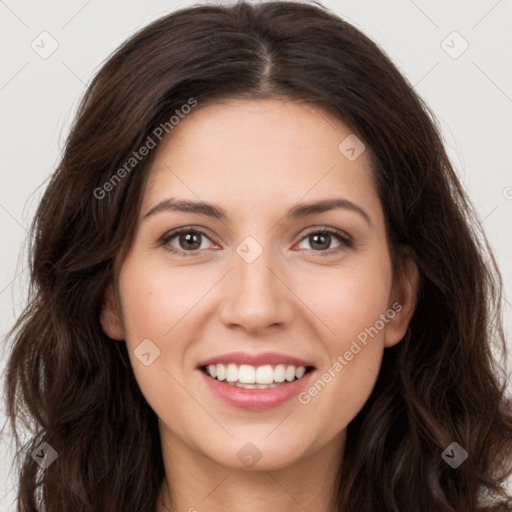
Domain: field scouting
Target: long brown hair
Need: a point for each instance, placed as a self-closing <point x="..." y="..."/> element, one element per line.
<point x="74" y="388"/>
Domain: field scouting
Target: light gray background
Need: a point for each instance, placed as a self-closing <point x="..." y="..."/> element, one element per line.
<point x="471" y="96"/>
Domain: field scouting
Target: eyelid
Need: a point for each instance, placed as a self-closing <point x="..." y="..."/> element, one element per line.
<point x="327" y="229"/>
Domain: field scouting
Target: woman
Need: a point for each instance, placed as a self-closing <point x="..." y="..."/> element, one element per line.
<point x="258" y="285"/>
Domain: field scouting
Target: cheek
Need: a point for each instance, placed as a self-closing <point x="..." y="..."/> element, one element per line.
<point x="155" y="303"/>
<point x="351" y="306"/>
<point x="156" y="297"/>
<point x="161" y="303"/>
<point x="349" y="299"/>
<point x="152" y="303"/>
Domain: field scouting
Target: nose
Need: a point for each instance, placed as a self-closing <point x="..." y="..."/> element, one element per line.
<point x="256" y="295"/>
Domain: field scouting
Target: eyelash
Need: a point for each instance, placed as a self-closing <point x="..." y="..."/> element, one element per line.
<point x="345" y="240"/>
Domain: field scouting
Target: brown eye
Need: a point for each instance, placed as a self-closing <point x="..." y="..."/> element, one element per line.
<point x="320" y="241"/>
<point x="188" y="240"/>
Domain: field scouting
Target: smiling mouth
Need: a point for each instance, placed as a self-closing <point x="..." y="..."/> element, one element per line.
<point x="250" y="377"/>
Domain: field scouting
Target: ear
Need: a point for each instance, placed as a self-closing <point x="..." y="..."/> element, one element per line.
<point x="403" y="298"/>
<point x="110" y="317"/>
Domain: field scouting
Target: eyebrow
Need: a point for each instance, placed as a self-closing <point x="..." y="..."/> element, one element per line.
<point x="296" y="212"/>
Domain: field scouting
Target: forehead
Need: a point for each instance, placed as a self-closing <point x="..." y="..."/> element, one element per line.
<point x="255" y="153"/>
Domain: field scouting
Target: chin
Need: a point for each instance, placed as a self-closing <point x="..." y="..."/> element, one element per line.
<point x="257" y="455"/>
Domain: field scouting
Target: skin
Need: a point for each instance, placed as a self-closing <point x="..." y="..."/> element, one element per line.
<point x="257" y="159"/>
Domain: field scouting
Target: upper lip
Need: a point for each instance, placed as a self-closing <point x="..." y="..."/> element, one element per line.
<point x="265" y="358"/>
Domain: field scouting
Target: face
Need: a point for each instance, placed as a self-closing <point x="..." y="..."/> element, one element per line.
<point x="261" y="286"/>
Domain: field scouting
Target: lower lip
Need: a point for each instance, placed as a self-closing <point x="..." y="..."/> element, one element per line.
<point x="256" y="399"/>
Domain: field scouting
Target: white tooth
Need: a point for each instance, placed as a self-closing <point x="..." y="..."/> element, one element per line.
<point x="265" y="374"/>
<point x="300" y="371"/>
<point x="221" y="372"/>
<point x="279" y="373"/>
<point x="290" y="373"/>
<point x="246" y="374"/>
<point x="232" y="372"/>
<point x="212" y="370"/>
